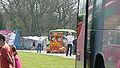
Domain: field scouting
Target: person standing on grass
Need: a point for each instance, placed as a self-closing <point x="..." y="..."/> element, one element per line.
<point x="16" y="58"/>
<point x="70" y="39"/>
<point x="33" y="44"/>
<point x="39" y="45"/>
<point x="74" y="46"/>
<point x="7" y="60"/>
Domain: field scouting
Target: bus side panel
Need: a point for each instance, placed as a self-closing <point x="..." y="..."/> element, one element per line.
<point x="111" y="35"/>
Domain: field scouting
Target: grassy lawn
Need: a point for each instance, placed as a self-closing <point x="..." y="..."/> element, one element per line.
<point x="35" y="60"/>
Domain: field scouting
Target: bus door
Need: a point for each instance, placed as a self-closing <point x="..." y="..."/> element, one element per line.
<point x="94" y="34"/>
<point x="90" y="36"/>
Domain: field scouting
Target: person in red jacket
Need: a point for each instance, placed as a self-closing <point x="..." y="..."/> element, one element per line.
<point x="6" y="57"/>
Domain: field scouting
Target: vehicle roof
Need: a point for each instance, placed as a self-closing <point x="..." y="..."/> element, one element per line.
<point x="57" y="35"/>
<point x="69" y="30"/>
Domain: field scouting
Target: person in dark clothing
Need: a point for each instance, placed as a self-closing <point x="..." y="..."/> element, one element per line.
<point x="39" y="45"/>
<point x="74" y="46"/>
<point x="70" y="39"/>
<point x="33" y="43"/>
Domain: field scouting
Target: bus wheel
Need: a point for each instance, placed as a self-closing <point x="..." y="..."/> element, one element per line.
<point x="99" y="62"/>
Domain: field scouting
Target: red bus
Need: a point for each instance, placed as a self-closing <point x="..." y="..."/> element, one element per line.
<point x="98" y="43"/>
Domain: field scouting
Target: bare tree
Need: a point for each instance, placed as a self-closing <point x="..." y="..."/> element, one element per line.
<point x="37" y="17"/>
<point x="64" y="9"/>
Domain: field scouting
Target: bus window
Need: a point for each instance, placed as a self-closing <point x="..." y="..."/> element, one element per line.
<point x="98" y="7"/>
<point x="111" y="35"/>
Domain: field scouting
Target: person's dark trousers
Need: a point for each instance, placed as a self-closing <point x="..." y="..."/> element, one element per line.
<point x="74" y="50"/>
<point x="67" y="51"/>
<point x="39" y="48"/>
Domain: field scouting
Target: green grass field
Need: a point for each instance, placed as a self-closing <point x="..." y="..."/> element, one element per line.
<point x="35" y="60"/>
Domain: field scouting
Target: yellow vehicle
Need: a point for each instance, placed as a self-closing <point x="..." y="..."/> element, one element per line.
<point x="62" y="32"/>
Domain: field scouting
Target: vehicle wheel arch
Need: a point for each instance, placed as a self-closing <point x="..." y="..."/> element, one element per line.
<point x="99" y="61"/>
